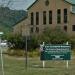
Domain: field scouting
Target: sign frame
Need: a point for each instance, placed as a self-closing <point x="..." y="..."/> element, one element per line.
<point x="56" y="52"/>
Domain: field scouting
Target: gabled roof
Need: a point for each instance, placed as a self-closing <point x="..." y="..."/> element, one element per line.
<point x="69" y="1"/>
<point x="32" y="4"/>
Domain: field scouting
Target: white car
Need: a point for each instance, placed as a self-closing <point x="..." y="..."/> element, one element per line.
<point x="3" y="43"/>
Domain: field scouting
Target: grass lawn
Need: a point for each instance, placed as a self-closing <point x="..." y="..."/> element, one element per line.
<point x="14" y="66"/>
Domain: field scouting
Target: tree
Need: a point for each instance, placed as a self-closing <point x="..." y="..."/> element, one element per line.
<point x="53" y="36"/>
<point x="19" y="42"/>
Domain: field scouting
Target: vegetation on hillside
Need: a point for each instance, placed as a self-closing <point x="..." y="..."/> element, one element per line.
<point x="8" y="18"/>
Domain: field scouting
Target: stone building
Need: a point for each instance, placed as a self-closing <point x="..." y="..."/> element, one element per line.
<point x="48" y="13"/>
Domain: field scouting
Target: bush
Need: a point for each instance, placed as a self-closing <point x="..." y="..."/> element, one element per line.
<point x="53" y="36"/>
<point x="72" y="42"/>
<point x="19" y="42"/>
<point x="13" y="52"/>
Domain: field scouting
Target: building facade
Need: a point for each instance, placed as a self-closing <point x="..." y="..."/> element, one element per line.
<point x="22" y="28"/>
<point x="50" y="14"/>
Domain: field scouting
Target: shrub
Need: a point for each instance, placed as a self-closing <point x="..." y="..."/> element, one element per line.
<point x="53" y="36"/>
<point x="13" y="52"/>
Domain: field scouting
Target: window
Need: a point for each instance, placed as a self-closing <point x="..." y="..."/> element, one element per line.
<point x="46" y="2"/>
<point x="50" y="17"/>
<point x="37" y="29"/>
<point x="65" y="28"/>
<point x="73" y="8"/>
<point x="65" y="15"/>
<point x="73" y="27"/>
<point x="58" y="16"/>
<point x="32" y="18"/>
<point x="31" y="31"/>
<point x="37" y="18"/>
<point x="44" y="17"/>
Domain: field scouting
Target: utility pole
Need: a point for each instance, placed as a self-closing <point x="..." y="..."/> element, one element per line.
<point x="1" y="33"/>
<point x="26" y="34"/>
<point x="26" y="53"/>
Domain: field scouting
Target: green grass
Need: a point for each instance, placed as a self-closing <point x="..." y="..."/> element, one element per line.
<point x="14" y="66"/>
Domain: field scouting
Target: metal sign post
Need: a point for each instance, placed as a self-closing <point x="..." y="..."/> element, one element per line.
<point x="43" y="64"/>
<point x="67" y="62"/>
<point x="26" y="53"/>
<point x="1" y="55"/>
<point x="43" y="60"/>
<point x="2" y="61"/>
<point x="41" y="49"/>
<point x="26" y="35"/>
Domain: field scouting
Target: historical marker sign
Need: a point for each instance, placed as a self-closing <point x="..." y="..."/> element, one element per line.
<point x="56" y="52"/>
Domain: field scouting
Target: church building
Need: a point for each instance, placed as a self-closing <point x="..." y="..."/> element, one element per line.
<point x="48" y="14"/>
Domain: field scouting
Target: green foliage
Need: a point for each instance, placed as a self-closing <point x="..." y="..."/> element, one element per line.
<point x="33" y="54"/>
<point x="19" y="42"/>
<point x="56" y="36"/>
<point x="13" y="52"/>
<point x="53" y="36"/>
<point x="16" y="42"/>
<point x="72" y="41"/>
<point x="21" y="52"/>
<point x="32" y="43"/>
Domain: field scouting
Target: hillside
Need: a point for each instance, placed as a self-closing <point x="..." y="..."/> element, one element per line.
<point x="8" y="18"/>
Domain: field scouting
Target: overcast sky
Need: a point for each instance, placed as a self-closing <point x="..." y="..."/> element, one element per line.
<point x="17" y="4"/>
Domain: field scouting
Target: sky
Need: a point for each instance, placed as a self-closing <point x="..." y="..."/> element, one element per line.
<point x="21" y="4"/>
<point x="17" y="4"/>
